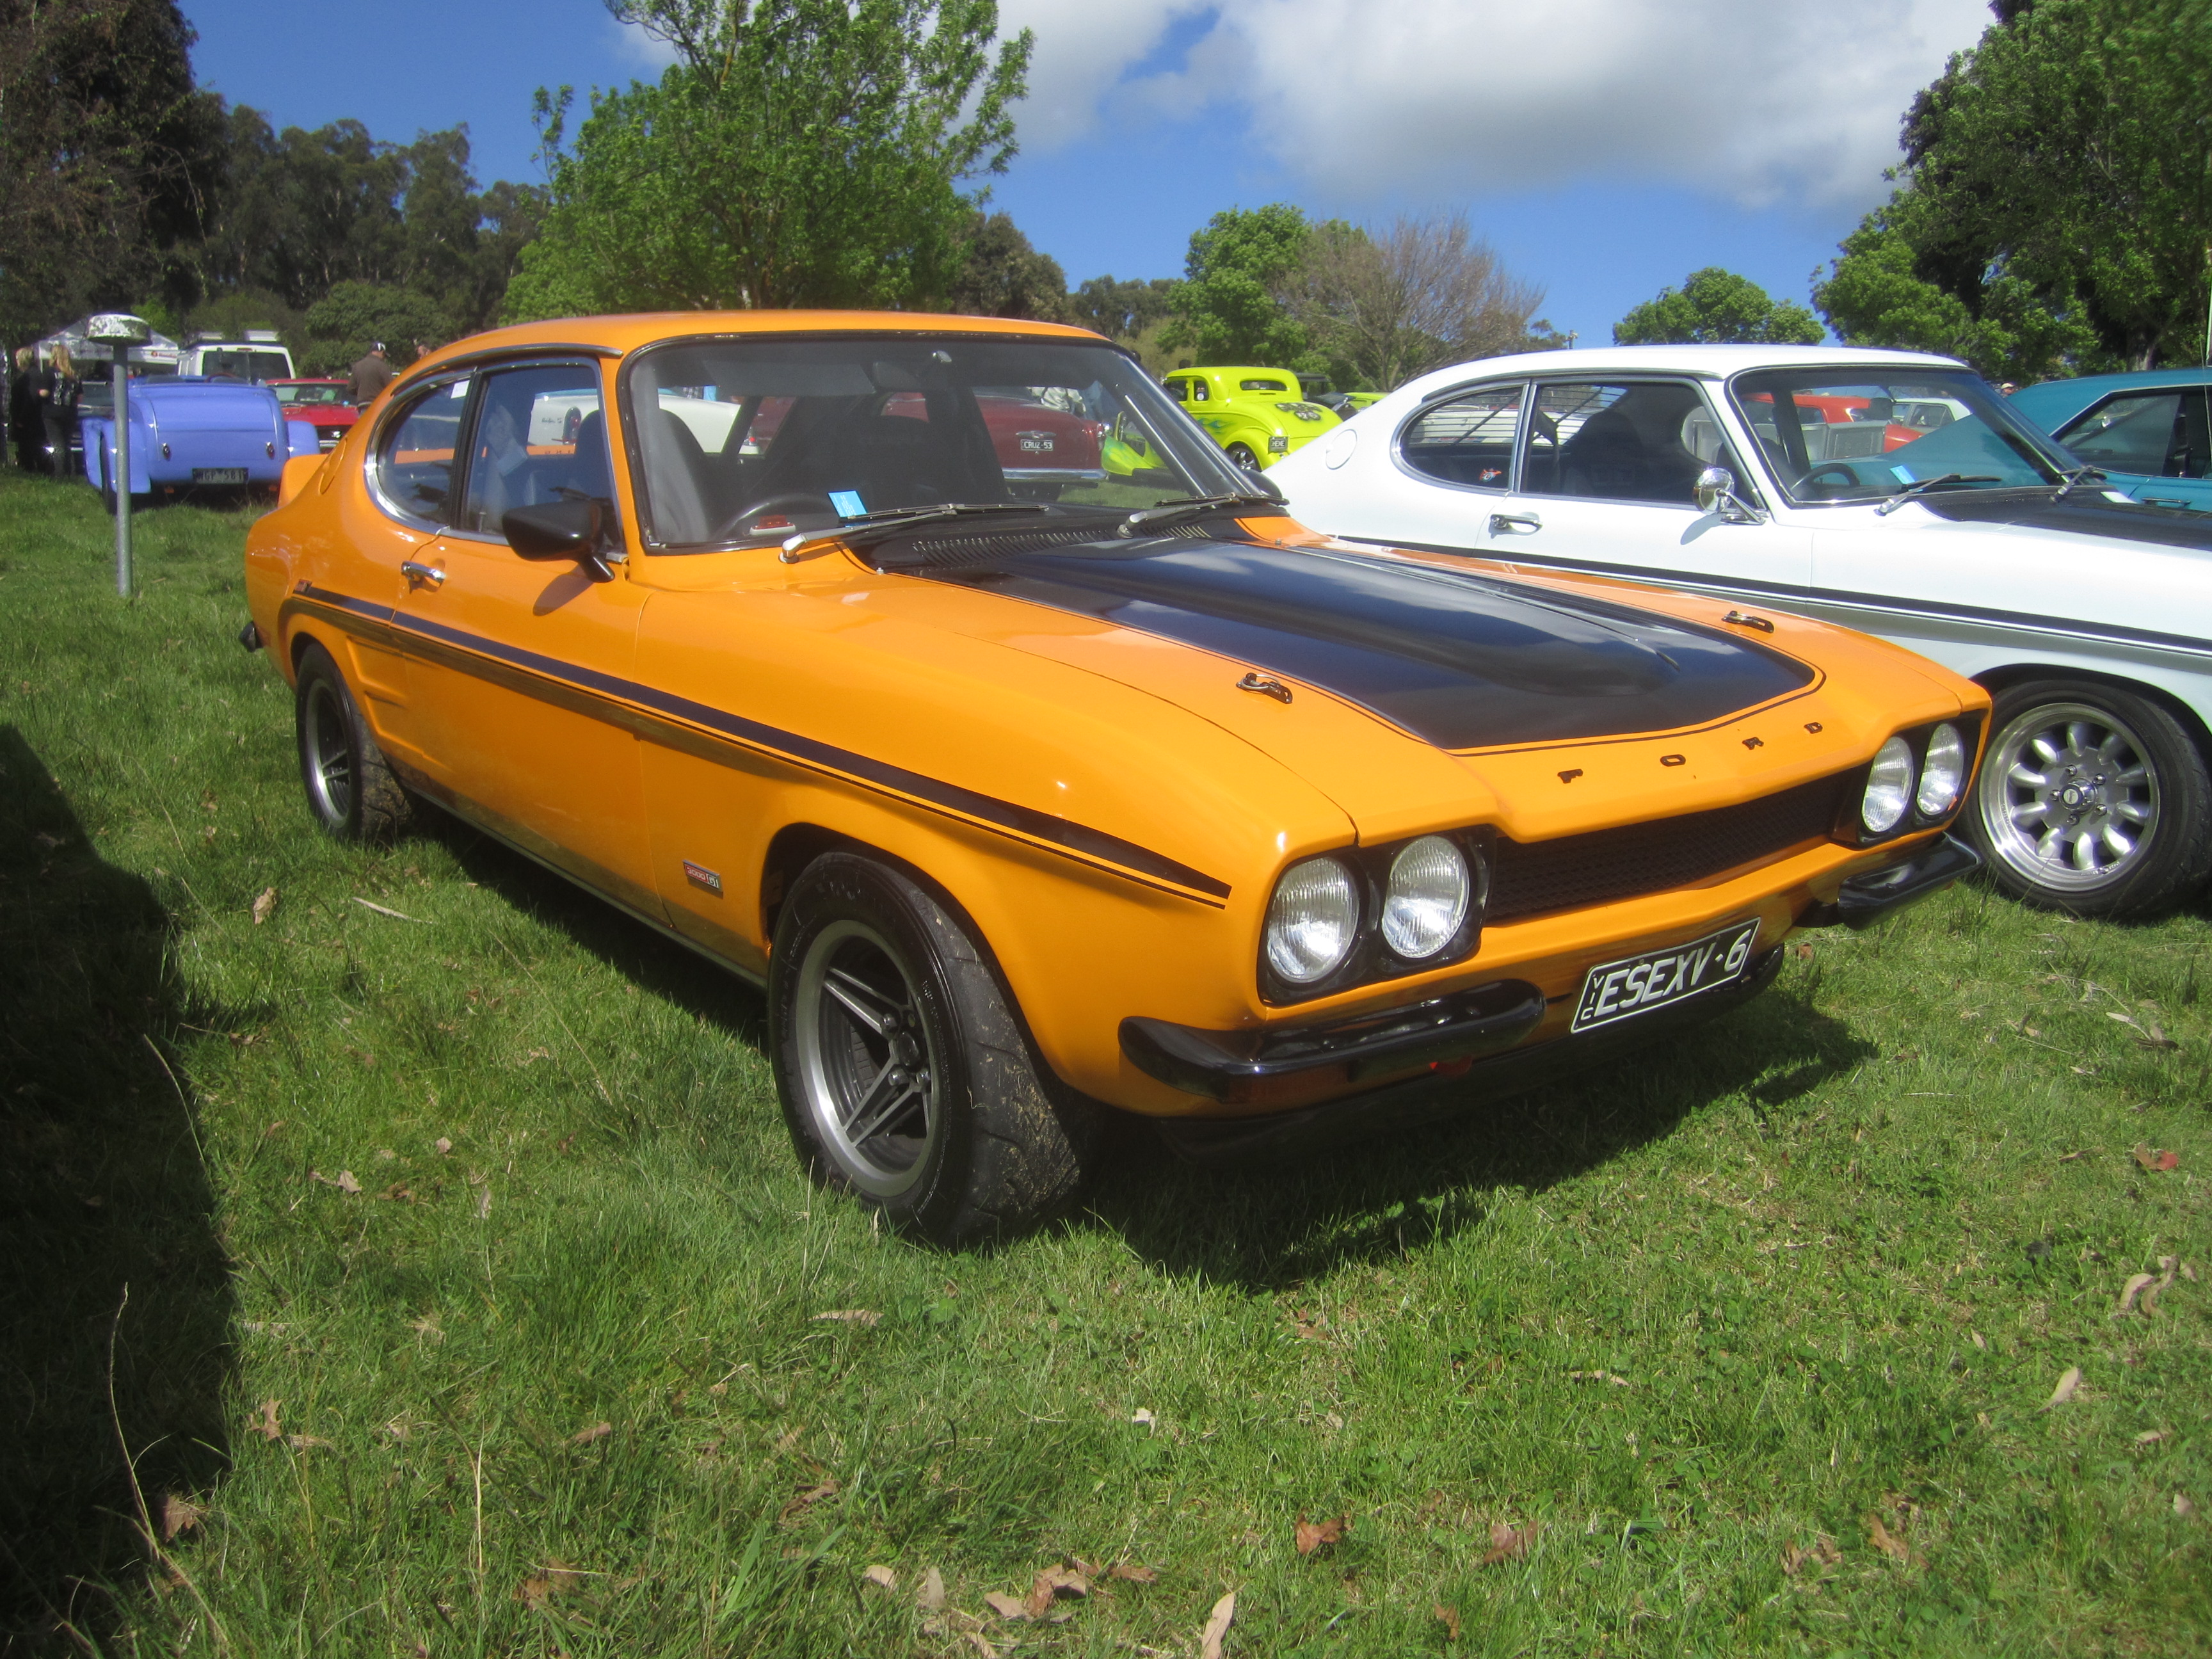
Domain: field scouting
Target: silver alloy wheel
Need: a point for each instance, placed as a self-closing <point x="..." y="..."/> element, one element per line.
<point x="2069" y="797"/>
<point x="1241" y="457"/>
<point x="329" y="753"/>
<point x="868" y="1070"/>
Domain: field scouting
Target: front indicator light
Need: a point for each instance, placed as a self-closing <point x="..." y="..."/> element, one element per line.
<point x="1889" y="788"/>
<point x="1313" y="921"/>
<point x="1943" y="774"/>
<point x="1427" y="897"/>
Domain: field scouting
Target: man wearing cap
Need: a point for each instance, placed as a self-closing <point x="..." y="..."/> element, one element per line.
<point x="370" y="376"/>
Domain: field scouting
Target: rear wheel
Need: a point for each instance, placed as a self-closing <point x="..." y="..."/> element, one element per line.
<point x="350" y="787"/>
<point x="904" y="1075"/>
<point x="1242" y="455"/>
<point x="2091" y="800"/>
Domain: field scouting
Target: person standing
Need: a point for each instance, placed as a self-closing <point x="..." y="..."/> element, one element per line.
<point x="57" y="400"/>
<point x="371" y="375"/>
<point x="24" y="424"/>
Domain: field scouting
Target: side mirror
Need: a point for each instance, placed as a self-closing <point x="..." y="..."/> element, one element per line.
<point x="1715" y="490"/>
<point x="574" y="529"/>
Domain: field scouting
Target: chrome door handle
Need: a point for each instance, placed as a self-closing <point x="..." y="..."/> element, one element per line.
<point x="1502" y="522"/>
<point x="422" y="576"/>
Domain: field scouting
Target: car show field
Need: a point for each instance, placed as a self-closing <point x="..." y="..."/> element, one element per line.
<point x="428" y="1236"/>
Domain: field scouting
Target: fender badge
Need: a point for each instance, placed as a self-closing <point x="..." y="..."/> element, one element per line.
<point x="699" y="876"/>
<point x="1813" y="726"/>
<point x="1570" y="774"/>
<point x="1674" y="760"/>
<point x="1754" y="743"/>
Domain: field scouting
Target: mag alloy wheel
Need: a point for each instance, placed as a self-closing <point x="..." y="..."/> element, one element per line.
<point x="326" y="753"/>
<point x="869" y="1072"/>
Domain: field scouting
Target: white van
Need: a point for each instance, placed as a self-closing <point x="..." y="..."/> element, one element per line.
<point x="258" y="357"/>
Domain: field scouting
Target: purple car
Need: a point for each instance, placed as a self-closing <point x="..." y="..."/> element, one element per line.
<point x="188" y="433"/>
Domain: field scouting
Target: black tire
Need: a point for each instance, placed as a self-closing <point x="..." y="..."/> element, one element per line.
<point x="881" y="1008"/>
<point x="350" y="787"/>
<point x="1242" y="456"/>
<point x="2091" y="799"/>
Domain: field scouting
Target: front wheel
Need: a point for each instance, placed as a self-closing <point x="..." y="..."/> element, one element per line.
<point x="2091" y="799"/>
<point x="1242" y="456"/>
<point x="350" y="787"/>
<point x="904" y="1076"/>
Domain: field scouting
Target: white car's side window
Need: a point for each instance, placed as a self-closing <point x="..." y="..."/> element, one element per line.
<point x="1468" y="440"/>
<point x="1623" y="441"/>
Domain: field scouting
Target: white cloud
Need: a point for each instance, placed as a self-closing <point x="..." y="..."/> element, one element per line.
<point x="1756" y="99"/>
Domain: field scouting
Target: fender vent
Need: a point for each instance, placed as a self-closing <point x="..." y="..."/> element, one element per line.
<point x="1534" y="878"/>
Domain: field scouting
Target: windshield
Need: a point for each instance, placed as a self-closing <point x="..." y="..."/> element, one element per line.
<point x="318" y="392"/>
<point x="760" y="438"/>
<point x="1834" y="434"/>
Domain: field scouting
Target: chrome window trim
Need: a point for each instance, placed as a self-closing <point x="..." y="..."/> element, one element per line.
<point x="396" y="411"/>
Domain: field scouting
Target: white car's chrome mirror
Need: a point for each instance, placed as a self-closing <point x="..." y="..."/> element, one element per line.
<point x="1716" y="493"/>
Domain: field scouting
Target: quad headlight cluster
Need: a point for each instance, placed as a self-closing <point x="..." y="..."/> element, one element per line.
<point x="1364" y="915"/>
<point x="1916" y="780"/>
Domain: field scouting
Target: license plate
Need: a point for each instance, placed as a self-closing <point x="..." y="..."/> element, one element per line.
<point x="1636" y="985"/>
<point x="218" y="475"/>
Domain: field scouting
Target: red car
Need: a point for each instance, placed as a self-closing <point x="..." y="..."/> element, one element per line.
<point x="326" y="405"/>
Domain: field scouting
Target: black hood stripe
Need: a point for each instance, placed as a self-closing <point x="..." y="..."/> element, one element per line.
<point x="1095" y="845"/>
<point x="1458" y="660"/>
<point x="2078" y="515"/>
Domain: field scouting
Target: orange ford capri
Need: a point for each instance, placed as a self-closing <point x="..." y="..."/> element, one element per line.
<point x="1029" y="791"/>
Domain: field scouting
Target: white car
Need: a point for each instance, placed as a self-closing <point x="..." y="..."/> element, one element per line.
<point x="1888" y="491"/>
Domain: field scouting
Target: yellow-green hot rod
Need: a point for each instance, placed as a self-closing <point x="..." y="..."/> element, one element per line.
<point x="1257" y="415"/>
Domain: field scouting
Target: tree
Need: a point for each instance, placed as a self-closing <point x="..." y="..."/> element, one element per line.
<point x="344" y="322"/>
<point x="1383" y="305"/>
<point x="2054" y="206"/>
<point x="1718" y="306"/>
<point x="104" y="149"/>
<point x="1000" y="275"/>
<point x="799" y="153"/>
<point x="1229" y="307"/>
<point x="1123" y="311"/>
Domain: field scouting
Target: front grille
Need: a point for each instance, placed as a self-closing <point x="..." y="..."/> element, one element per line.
<point x="1575" y="872"/>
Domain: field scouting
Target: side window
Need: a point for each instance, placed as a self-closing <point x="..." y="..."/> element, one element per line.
<point x="1199" y="394"/>
<point x="414" y="463"/>
<point x="1620" y="441"/>
<point x="1466" y="439"/>
<point x="1179" y="390"/>
<point x="2142" y="432"/>
<point x="540" y="436"/>
<point x="1274" y="386"/>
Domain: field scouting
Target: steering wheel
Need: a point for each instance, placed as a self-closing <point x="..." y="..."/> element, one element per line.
<point x="786" y="501"/>
<point x="1847" y="479"/>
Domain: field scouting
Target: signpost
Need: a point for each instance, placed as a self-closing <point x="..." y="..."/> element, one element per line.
<point x="122" y="331"/>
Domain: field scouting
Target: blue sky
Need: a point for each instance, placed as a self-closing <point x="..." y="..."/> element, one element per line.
<point x="1605" y="147"/>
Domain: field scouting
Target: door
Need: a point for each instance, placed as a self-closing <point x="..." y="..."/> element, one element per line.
<point x="520" y="668"/>
<point x="2154" y="445"/>
<point x="1607" y="482"/>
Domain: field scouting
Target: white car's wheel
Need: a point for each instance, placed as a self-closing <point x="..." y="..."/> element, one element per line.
<point x="2091" y="800"/>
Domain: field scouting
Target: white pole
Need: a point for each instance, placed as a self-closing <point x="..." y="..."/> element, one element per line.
<point x="121" y="479"/>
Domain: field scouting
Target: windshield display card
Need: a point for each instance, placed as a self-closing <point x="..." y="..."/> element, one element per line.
<point x="1620" y="990"/>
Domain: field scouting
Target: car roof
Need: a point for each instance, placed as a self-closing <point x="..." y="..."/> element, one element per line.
<point x="1234" y="368"/>
<point x="2095" y="385"/>
<point x="1709" y="361"/>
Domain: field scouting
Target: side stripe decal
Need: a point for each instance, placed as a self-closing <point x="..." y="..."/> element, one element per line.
<point x="1783" y="593"/>
<point x="1003" y="814"/>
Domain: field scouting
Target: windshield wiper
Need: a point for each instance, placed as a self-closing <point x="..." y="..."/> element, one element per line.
<point x="2079" y="474"/>
<point x="1173" y="513"/>
<point x="1925" y="484"/>
<point x="870" y="527"/>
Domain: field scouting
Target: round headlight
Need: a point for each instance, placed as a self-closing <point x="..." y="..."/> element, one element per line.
<point x="1943" y="773"/>
<point x="1889" y="787"/>
<point x="1427" y="897"/>
<point x="1313" y="921"/>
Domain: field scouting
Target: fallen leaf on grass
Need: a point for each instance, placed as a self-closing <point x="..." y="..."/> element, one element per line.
<point x="2157" y="1161"/>
<point x="1217" y="1626"/>
<point x="1508" y="1543"/>
<point x="596" y="1432"/>
<point x="1887" y="1541"/>
<point x="1005" y="1606"/>
<point x="1822" y="1554"/>
<point x="881" y="1576"/>
<point x="2136" y="1284"/>
<point x="264" y="905"/>
<point x="806" y="1500"/>
<point x="2150" y="1436"/>
<point x="1130" y="1572"/>
<point x="1599" y="1376"/>
<point x="347" y="1181"/>
<point x="1053" y="1584"/>
<point x="1144" y="1418"/>
<point x="1313" y="1536"/>
<point x="443" y="1145"/>
<point x="849" y="1316"/>
<point x="2183" y="1507"/>
<point x="399" y="1193"/>
<point x="178" y="1515"/>
<point x="541" y="1586"/>
<point x="931" y="1597"/>
<point x="1450" y="1618"/>
<point x="2149" y="1036"/>
<point x="263" y="1421"/>
<point x="305" y="1441"/>
<point x="2067" y="1384"/>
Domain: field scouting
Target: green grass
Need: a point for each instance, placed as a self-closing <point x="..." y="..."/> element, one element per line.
<point x="1837" y="1249"/>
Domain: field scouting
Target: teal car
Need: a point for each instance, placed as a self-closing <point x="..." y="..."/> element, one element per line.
<point x="2149" y="434"/>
